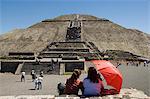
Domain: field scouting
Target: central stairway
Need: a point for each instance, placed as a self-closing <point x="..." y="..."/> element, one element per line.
<point x="72" y="52"/>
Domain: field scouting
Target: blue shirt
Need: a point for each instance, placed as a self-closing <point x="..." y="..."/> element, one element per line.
<point x="90" y="88"/>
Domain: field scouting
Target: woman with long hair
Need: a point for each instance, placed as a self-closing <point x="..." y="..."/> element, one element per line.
<point x="73" y="84"/>
<point x="92" y="84"/>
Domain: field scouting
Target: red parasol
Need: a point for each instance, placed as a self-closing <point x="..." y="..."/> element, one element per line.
<point x="111" y="74"/>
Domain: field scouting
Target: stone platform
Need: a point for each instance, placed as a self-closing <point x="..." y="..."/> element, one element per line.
<point x="126" y="93"/>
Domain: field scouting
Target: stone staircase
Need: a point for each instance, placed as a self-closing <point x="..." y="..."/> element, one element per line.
<point x="19" y="68"/>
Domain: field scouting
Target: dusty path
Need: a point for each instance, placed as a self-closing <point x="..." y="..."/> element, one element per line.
<point x="11" y="85"/>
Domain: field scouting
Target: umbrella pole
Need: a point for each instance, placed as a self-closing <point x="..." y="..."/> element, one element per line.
<point x="118" y="65"/>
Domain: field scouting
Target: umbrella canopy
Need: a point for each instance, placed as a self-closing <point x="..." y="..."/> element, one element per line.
<point x="111" y="74"/>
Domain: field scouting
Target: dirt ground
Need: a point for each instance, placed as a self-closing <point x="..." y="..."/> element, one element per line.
<point x="12" y="88"/>
<point x="11" y="84"/>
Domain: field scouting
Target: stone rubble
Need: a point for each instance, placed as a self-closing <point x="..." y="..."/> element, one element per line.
<point x="126" y="93"/>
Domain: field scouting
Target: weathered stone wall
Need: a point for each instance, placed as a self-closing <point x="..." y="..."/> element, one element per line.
<point x="124" y="94"/>
<point x="69" y="67"/>
<point x="9" y="66"/>
<point x="47" y="68"/>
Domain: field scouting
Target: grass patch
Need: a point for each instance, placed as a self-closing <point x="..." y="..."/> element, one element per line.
<point x="68" y="73"/>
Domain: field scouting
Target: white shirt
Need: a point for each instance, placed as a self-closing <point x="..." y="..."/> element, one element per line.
<point x="23" y="73"/>
<point x="36" y="81"/>
<point x="40" y="79"/>
<point x="91" y="88"/>
<point x="32" y="72"/>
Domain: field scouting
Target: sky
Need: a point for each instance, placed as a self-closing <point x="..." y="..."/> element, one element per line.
<point x="16" y="14"/>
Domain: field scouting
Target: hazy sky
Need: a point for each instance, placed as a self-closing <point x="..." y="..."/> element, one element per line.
<point x="16" y="14"/>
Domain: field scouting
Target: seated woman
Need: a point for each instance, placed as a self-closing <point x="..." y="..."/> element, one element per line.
<point x="73" y="84"/>
<point x="93" y="85"/>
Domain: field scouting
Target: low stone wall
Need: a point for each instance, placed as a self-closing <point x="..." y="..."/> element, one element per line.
<point x="126" y="93"/>
<point x="45" y="67"/>
<point x="9" y="66"/>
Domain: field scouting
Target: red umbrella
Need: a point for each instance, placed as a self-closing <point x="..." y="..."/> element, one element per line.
<point x="111" y="74"/>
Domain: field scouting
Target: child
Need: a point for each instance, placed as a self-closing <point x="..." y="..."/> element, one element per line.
<point x="40" y="79"/>
<point x="36" y="83"/>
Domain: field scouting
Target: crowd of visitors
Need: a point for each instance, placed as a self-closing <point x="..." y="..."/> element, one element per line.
<point x="36" y="79"/>
<point x="92" y="85"/>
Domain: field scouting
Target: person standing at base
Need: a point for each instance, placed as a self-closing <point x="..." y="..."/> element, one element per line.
<point x="33" y="75"/>
<point x="40" y="79"/>
<point x="22" y="76"/>
<point x="93" y="85"/>
<point x="36" y="83"/>
<point x="41" y="73"/>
